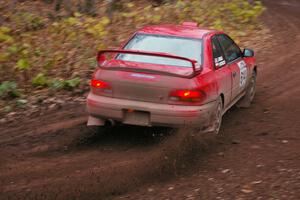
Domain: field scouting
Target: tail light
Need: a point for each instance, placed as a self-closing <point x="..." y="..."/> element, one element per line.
<point x="99" y="84"/>
<point x="100" y="87"/>
<point x="187" y="95"/>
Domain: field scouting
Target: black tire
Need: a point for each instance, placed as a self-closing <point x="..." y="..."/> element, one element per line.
<point x="246" y="100"/>
<point x="217" y="117"/>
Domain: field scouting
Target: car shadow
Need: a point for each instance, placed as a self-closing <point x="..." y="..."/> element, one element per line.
<point x="124" y="135"/>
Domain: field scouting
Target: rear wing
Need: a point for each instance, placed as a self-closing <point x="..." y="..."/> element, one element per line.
<point x="195" y="66"/>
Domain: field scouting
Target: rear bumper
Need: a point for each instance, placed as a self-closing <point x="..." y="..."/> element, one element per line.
<point x="160" y="114"/>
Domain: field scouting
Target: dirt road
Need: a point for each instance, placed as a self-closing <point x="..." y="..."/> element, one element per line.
<point x="258" y="157"/>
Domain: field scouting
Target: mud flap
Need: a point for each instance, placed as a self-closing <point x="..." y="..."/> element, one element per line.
<point x="209" y="126"/>
<point x="93" y="121"/>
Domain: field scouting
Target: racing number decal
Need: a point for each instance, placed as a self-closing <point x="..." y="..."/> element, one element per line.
<point x="243" y="73"/>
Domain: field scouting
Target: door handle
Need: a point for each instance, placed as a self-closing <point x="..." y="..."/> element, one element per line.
<point x="233" y="74"/>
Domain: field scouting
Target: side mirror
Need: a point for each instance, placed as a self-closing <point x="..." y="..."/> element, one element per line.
<point x="248" y="53"/>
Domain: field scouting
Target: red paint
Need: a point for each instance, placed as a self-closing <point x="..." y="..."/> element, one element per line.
<point x="209" y="81"/>
<point x="192" y="24"/>
<point x="175" y="30"/>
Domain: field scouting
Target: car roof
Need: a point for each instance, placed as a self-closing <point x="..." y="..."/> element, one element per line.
<point x="189" y="31"/>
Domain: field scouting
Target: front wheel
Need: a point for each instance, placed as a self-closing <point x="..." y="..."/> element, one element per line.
<point x="246" y="101"/>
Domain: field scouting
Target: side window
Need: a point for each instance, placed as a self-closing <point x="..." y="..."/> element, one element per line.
<point x="218" y="58"/>
<point x="231" y="50"/>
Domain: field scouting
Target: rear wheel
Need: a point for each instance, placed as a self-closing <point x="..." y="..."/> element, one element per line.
<point x="217" y="117"/>
<point x="245" y="102"/>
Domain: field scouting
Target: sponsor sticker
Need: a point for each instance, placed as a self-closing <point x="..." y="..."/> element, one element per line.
<point x="219" y="61"/>
<point x="143" y="76"/>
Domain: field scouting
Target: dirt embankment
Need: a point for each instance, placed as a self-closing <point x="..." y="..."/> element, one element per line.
<point x="56" y="156"/>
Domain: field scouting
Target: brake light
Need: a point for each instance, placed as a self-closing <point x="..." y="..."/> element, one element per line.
<point x="187" y="95"/>
<point x="99" y="84"/>
<point x="101" y="88"/>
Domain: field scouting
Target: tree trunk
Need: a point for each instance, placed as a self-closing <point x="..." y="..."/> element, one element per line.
<point x="12" y="5"/>
<point x="110" y="9"/>
<point x="89" y="7"/>
<point x="251" y="2"/>
<point x="67" y="6"/>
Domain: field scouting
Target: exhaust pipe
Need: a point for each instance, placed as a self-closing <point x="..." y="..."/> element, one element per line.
<point x="93" y="121"/>
<point x="111" y="122"/>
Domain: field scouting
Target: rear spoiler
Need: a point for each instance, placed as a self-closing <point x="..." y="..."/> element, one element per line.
<point x="196" y="67"/>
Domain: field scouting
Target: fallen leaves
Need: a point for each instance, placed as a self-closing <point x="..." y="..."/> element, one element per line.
<point x="247" y="189"/>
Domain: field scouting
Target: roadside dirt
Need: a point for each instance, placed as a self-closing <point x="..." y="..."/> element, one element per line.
<point x="257" y="157"/>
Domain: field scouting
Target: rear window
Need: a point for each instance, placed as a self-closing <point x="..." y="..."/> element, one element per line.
<point x="184" y="47"/>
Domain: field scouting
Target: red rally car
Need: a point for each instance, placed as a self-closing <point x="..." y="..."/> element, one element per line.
<point x="172" y="75"/>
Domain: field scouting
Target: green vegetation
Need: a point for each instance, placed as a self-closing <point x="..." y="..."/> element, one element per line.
<point x="8" y="89"/>
<point x="4" y="35"/>
<point x="25" y="21"/>
<point x="68" y="84"/>
<point x="22" y="64"/>
<point x="40" y="80"/>
<point x="37" y="52"/>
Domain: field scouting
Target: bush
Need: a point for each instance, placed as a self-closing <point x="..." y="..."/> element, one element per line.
<point x="4" y="35"/>
<point x="72" y="83"/>
<point x="26" y="21"/>
<point x="40" y="80"/>
<point x="22" y="64"/>
<point x="56" y="84"/>
<point x="8" y="89"/>
<point x="69" y="84"/>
